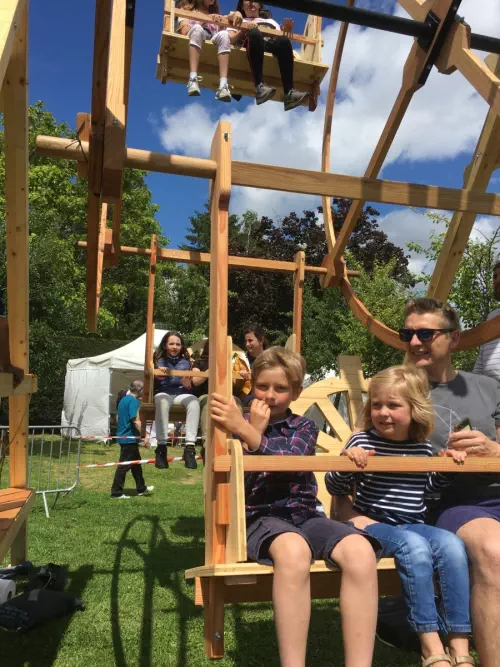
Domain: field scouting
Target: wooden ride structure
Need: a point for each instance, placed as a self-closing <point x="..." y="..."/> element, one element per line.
<point x="17" y="499"/>
<point x="441" y="40"/>
<point x="173" y="59"/>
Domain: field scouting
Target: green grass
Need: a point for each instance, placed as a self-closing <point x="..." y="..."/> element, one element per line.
<point x="126" y="560"/>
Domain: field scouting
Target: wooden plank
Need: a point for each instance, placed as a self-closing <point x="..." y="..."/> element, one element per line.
<point x="95" y="257"/>
<point x="214" y="618"/>
<point x="11" y="13"/>
<point x="249" y="569"/>
<point x="29" y="385"/>
<point x="148" y="352"/>
<point x="417" y="9"/>
<point x="99" y="84"/>
<point x="13" y="529"/>
<point x="12" y="498"/>
<point x="83" y="134"/>
<point x="220" y="191"/>
<point x="350" y="369"/>
<point x="174" y="58"/>
<point x="477" y="176"/>
<point x="222" y="516"/>
<point x="236" y="542"/>
<point x="290" y="343"/>
<point x="327" y="126"/>
<point x="298" y="294"/>
<point x="17" y="241"/>
<point x="334" y="419"/>
<point x="325" y="463"/>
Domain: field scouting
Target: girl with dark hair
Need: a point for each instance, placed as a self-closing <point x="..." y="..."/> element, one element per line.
<point x="197" y="34"/>
<point x="173" y="390"/>
<point x="253" y="13"/>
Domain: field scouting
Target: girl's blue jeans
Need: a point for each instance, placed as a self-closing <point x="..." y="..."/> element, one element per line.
<point x="421" y="551"/>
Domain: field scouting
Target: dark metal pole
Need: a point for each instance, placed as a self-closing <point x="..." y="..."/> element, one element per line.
<point x="378" y="20"/>
<point x="358" y="16"/>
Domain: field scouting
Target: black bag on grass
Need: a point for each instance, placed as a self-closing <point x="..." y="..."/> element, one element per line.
<point x="35" y="608"/>
<point x="393" y="628"/>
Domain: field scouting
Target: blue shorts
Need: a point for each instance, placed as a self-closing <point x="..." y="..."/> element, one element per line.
<point x="320" y="533"/>
<point x="455" y="516"/>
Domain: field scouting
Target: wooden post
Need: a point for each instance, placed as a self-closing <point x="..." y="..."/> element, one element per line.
<point x="298" y="292"/>
<point x="215" y="534"/>
<point x="148" y="361"/>
<point x="16" y="195"/>
<point x="83" y="134"/>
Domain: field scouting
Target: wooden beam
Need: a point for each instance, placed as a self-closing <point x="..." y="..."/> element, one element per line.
<point x="234" y="261"/>
<point x="95" y="257"/>
<point x="11" y="12"/>
<point x="285" y="179"/>
<point x="298" y="293"/>
<point x="327" y="126"/>
<point x="477" y="176"/>
<point x="324" y="463"/>
<point x="99" y="85"/>
<point x="13" y="521"/>
<point x="28" y="385"/>
<point x="148" y="352"/>
<point x="215" y="534"/>
<point x="83" y="134"/>
<point x="17" y="232"/>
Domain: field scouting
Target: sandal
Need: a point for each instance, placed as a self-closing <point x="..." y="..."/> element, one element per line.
<point x="432" y="659"/>
<point x="462" y="660"/>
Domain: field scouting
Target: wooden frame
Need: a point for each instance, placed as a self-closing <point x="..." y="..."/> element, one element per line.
<point x="16" y="501"/>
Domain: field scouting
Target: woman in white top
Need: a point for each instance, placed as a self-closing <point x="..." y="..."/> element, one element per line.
<point x="253" y="13"/>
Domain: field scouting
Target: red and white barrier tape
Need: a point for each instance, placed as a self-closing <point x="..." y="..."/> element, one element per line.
<point x="132" y="463"/>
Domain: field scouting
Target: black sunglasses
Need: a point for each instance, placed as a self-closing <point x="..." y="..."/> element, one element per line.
<point x="423" y="335"/>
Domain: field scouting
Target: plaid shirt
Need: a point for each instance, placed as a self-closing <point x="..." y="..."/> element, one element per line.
<point x="286" y="495"/>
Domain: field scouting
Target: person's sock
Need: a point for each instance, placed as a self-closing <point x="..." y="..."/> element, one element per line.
<point x="193" y="75"/>
<point x="223" y="81"/>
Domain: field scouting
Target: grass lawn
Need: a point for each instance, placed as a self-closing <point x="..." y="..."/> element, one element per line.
<point x="126" y="560"/>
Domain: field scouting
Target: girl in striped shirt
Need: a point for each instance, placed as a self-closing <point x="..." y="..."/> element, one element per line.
<point x="397" y="419"/>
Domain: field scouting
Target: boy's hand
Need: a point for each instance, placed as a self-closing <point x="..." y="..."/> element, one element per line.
<point x="287" y="28"/>
<point x="359" y="455"/>
<point x="226" y="413"/>
<point x="186" y="382"/>
<point x="260" y="414"/>
<point x="236" y="18"/>
<point x="458" y="457"/>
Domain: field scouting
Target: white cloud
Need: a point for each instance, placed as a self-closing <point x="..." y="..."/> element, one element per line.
<point x="444" y="118"/>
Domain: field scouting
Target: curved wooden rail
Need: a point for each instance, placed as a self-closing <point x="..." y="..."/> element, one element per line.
<point x="482" y="333"/>
<point x="327" y="127"/>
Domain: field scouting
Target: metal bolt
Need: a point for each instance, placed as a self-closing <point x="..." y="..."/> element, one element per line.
<point x="226" y="136"/>
<point x="218" y="636"/>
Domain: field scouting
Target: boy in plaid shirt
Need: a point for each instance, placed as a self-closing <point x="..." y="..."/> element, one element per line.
<point x="285" y="528"/>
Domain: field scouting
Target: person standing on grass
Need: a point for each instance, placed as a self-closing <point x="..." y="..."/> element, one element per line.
<point x="285" y="528"/>
<point x="129" y="428"/>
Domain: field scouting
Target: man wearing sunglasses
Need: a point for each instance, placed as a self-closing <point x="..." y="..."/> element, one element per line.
<point x="488" y="361"/>
<point x="470" y="507"/>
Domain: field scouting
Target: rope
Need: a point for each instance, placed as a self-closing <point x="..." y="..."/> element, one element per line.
<point x="132" y="463"/>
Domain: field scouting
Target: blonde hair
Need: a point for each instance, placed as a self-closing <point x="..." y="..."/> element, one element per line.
<point x="292" y="363"/>
<point x="412" y="385"/>
<point x="424" y="305"/>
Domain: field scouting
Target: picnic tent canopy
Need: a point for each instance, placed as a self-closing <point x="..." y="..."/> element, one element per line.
<point x="92" y="385"/>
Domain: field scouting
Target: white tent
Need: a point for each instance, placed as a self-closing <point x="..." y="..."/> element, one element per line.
<point x="92" y="385"/>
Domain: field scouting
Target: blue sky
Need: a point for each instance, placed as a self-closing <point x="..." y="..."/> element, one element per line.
<point x="431" y="150"/>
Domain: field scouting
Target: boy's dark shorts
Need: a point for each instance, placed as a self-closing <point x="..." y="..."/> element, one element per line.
<point x="320" y="533"/>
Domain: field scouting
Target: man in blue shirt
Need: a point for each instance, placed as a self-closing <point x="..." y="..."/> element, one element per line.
<point x="129" y="428"/>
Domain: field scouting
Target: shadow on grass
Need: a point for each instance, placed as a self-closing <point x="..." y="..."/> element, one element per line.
<point x="164" y="563"/>
<point x="43" y="642"/>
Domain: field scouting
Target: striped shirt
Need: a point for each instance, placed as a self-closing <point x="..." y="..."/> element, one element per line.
<point x="488" y="361"/>
<point x="388" y="497"/>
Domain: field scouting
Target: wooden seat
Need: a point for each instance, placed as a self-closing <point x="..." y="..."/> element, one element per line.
<point x="15" y="506"/>
<point x="173" y="62"/>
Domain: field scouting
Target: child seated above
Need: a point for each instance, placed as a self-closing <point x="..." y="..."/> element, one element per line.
<point x="285" y="526"/>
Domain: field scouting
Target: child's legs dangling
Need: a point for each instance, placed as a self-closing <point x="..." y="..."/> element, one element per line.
<point x="192" y="406"/>
<point x="413" y="557"/>
<point x="223" y="44"/>
<point x="291" y="557"/>
<point x="452" y="569"/>
<point x="255" y="46"/>
<point x="196" y="36"/>
<point x="162" y="409"/>
<point x="358" y="598"/>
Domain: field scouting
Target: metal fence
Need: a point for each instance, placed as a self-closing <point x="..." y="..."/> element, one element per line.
<point x="54" y="459"/>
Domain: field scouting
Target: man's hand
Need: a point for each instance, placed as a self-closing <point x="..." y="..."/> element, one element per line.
<point x="186" y="382"/>
<point x="236" y="18"/>
<point x="226" y="413"/>
<point x="260" y="414"/>
<point x="474" y="443"/>
<point x="359" y="455"/>
<point x="287" y="28"/>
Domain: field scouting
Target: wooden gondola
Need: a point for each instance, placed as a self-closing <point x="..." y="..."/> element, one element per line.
<point x="173" y="60"/>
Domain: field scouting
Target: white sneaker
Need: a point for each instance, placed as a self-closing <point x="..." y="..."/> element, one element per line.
<point x="147" y="491"/>
<point x="122" y="497"/>
<point x="223" y="94"/>
<point x="193" y="87"/>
